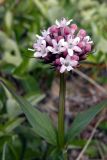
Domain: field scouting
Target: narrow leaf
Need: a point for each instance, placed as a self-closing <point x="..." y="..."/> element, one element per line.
<point x="82" y="120"/>
<point x="39" y="121"/>
<point x="4" y="152"/>
<point x="12" y="124"/>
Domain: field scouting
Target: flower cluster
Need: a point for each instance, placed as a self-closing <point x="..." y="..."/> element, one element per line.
<point x="62" y="45"/>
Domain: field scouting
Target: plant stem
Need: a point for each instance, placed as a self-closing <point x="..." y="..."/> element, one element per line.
<point x="65" y="157"/>
<point x="61" y="110"/>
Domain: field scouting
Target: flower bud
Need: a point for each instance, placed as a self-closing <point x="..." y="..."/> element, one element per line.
<point x="82" y="33"/>
<point x="59" y="38"/>
<point x="88" y="48"/>
<point x="57" y="61"/>
<point x="54" y="29"/>
<point x="73" y="28"/>
<point x="75" y="57"/>
<point x="65" y="53"/>
<point x="66" y="30"/>
<point x="81" y="44"/>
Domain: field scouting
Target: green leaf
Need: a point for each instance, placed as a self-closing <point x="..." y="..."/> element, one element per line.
<point x="4" y="152"/>
<point x="8" y="20"/>
<point x="39" y="121"/>
<point x="12" y="124"/>
<point x="82" y="120"/>
<point x="4" y="139"/>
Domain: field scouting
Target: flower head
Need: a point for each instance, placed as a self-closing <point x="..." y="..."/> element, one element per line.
<point x="62" y="45"/>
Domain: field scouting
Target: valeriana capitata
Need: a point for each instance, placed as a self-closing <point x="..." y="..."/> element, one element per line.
<point x="63" y="46"/>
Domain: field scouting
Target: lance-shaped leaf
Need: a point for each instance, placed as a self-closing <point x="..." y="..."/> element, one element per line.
<point x="82" y="120"/>
<point x="40" y="122"/>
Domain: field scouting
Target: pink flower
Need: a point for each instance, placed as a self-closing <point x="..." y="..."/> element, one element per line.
<point x="87" y="39"/>
<point x="45" y="33"/>
<point x="82" y="33"/>
<point x="67" y="64"/>
<point x="73" y="45"/>
<point x="57" y="47"/>
<point x="41" y="50"/>
<point x="73" y="28"/>
<point x="38" y="42"/>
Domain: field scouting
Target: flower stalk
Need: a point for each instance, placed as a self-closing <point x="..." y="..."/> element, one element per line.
<point x="61" y="112"/>
<point x="63" y="46"/>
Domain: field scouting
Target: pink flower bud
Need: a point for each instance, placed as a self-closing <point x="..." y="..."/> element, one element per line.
<point x="88" y="48"/>
<point x="66" y="30"/>
<point x="59" y="38"/>
<point x="83" y="57"/>
<point x="48" y="39"/>
<point x="73" y="28"/>
<point x="57" y="61"/>
<point x="82" y="33"/>
<point x="54" y="29"/>
<point x="75" y="57"/>
<point x="65" y="53"/>
<point x="81" y="44"/>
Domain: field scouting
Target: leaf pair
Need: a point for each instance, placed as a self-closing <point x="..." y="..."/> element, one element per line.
<point x="43" y="126"/>
<point x="40" y="121"/>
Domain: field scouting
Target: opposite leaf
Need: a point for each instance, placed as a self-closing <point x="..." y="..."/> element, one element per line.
<point x="40" y="122"/>
<point x="82" y="120"/>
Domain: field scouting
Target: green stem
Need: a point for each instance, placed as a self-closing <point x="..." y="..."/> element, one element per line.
<point x="65" y="155"/>
<point x="61" y="110"/>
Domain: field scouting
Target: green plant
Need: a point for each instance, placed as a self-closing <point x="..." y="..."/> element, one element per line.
<point x="18" y="22"/>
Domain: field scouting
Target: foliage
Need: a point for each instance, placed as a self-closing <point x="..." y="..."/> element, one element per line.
<point x="19" y="22"/>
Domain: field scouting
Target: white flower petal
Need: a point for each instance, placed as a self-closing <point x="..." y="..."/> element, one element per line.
<point x="77" y="49"/>
<point x="37" y="54"/>
<point x="57" y="22"/>
<point x="38" y="36"/>
<point x="91" y="42"/>
<point x="44" y="55"/>
<point x="61" y="41"/>
<point x="55" y="51"/>
<point x="69" y="38"/>
<point x="69" y="68"/>
<point x="63" y="22"/>
<point x="31" y="49"/>
<point x="87" y="38"/>
<point x="49" y="48"/>
<point x="62" y="69"/>
<point x="54" y="42"/>
<point x="62" y="49"/>
<point x="73" y="63"/>
<point x="70" y="52"/>
<point x="62" y="60"/>
<point x="68" y="58"/>
<point x="45" y="33"/>
<point x="76" y="41"/>
<point x="43" y="43"/>
<point x="69" y="22"/>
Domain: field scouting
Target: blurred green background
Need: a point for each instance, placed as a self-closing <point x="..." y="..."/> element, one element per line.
<point x="20" y="21"/>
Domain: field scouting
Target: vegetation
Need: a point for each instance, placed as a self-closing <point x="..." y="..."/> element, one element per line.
<point x="20" y="21"/>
